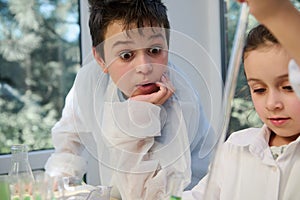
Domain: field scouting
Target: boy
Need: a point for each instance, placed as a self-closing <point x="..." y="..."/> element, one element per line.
<point x="130" y="108"/>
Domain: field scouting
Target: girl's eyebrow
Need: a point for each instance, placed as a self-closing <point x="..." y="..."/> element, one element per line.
<point x="284" y="76"/>
<point x="253" y="80"/>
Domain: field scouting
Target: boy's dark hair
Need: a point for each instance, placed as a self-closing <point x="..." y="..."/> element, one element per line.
<point x="139" y="12"/>
<point x="258" y="37"/>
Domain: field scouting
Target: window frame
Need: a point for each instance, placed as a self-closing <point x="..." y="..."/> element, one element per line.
<point x="37" y="160"/>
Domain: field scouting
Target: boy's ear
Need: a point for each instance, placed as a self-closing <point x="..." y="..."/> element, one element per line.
<point x="99" y="60"/>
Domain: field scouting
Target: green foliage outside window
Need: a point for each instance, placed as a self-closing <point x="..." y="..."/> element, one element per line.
<point x="39" y="56"/>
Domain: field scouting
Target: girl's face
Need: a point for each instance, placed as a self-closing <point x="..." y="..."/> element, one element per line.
<point x="135" y="59"/>
<point x="274" y="100"/>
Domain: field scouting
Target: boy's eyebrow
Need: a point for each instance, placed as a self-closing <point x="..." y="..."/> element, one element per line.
<point x="159" y="35"/>
<point x="122" y="43"/>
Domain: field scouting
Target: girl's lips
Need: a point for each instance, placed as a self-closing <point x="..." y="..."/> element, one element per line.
<point x="278" y="121"/>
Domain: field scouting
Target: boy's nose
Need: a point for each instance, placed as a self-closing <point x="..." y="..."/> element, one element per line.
<point x="143" y="64"/>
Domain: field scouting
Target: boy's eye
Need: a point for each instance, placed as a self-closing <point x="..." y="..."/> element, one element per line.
<point x="126" y="55"/>
<point x="259" y="90"/>
<point x="155" y="50"/>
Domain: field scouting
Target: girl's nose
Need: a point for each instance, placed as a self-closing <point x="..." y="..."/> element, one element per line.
<point x="274" y="101"/>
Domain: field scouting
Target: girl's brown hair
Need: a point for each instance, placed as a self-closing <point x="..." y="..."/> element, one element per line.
<point x="258" y="37"/>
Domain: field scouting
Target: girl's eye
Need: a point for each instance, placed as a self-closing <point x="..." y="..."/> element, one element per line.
<point x="126" y="55"/>
<point x="259" y="90"/>
<point x="155" y="50"/>
<point x="288" y="88"/>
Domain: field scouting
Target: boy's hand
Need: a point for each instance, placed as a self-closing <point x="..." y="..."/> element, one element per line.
<point x="166" y="90"/>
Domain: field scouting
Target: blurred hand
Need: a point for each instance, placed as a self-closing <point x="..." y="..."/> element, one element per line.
<point x="263" y="9"/>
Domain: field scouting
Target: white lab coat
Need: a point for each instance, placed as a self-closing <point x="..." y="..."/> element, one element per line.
<point x="138" y="145"/>
<point x="244" y="168"/>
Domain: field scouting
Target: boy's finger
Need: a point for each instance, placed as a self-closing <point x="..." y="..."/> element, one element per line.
<point x="167" y="85"/>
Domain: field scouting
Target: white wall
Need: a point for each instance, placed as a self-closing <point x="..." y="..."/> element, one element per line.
<point x="199" y="21"/>
<point x="195" y="46"/>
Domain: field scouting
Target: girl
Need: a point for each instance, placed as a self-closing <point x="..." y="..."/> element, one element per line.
<point x="260" y="163"/>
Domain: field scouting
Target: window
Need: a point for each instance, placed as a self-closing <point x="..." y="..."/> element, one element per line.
<point x="39" y="56"/>
<point x="242" y="113"/>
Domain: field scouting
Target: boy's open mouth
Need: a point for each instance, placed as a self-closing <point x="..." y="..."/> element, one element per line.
<point x="148" y="88"/>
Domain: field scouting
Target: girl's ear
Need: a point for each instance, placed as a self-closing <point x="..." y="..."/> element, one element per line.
<point x="99" y="60"/>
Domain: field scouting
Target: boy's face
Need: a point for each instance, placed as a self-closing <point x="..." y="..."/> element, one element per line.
<point x="275" y="102"/>
<point x="135" y="59"/>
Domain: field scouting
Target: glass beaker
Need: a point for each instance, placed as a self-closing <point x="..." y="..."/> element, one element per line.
<point x="176" y="186"/>
<point x="100" y="193"/>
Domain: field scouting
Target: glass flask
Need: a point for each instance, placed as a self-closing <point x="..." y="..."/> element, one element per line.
<point x="176" y="184"/>
<point x="20" y="174"/>
<point x="100" y="193"/>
